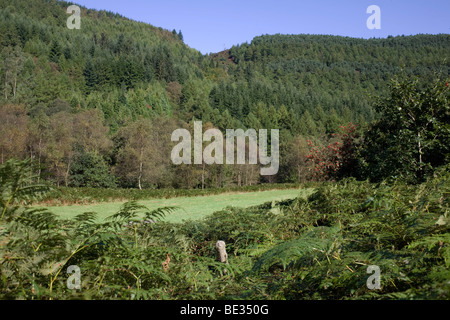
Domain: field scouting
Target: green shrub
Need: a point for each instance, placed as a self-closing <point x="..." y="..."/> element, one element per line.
<point x="91" y="170"/>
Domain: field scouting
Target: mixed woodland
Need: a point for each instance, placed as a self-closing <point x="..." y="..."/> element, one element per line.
<point x="96" y="107"/>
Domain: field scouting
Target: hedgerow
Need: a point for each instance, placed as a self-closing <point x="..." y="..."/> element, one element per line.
<point x="70" y="195"/>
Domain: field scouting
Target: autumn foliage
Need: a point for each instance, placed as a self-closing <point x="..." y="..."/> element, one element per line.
<point x="337" y="158"/>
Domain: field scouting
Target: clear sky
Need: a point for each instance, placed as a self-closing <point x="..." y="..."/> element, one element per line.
<point x="213" y="25"/>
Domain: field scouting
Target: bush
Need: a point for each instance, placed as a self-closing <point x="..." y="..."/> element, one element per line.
<point x="90" y="170"/>
<point x="412" y="136"/>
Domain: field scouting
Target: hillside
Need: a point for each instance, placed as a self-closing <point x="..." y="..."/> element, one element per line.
<point x="116" y="79"/>
<point x="109" y="54"/>
<point x="115" y="55"/>
<point x="319" y="73"/>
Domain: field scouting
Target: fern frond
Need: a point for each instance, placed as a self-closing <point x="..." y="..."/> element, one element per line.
<point x="316" y="242"/>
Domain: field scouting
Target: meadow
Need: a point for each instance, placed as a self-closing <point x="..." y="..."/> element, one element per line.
<point x="187" y="208"/>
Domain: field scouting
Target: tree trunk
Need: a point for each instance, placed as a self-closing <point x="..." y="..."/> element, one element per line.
<point x="140" y="175"/>
<point x="203" y="176"/>
<point x="6" y="85"/>
<point x="66" y="177"/>
<point x="39" y="160"/>
<point x="239" y="178"/>
<point x="420" y="156"/>
<point x="14" y="87"/>
<point x="141" y="165"/>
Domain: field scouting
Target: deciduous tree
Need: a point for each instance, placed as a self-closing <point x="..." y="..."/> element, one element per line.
<point x="13" y="132"/>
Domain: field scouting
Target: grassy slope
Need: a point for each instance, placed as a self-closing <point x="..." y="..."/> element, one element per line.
<point x="191" y="208"/>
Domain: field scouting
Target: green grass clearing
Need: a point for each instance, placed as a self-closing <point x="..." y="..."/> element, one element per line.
<point x="190" y="208"/>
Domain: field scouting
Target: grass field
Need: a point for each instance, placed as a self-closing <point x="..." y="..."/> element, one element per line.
<point x="189" y="208"/>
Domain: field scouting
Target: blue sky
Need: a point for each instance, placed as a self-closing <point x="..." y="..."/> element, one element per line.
<point x="212" y="25"/>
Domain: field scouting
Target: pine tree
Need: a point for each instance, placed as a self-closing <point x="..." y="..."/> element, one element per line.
<point x="55" y="52"/>
<point x="89" y="77"/>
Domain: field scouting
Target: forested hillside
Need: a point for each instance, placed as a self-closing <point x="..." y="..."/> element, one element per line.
<point x="336" y="75"/>
<point x="96" y="106"/>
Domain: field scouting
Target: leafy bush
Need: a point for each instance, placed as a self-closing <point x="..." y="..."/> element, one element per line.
<point x="91" y="170"/>
<point x="412" y="136"/>
<point x="338" y="159"/>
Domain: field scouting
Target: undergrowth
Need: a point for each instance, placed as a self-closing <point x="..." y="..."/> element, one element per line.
<point x="315" y="248"/>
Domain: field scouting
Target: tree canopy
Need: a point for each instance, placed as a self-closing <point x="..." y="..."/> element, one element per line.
<point x="114" y="72"/>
